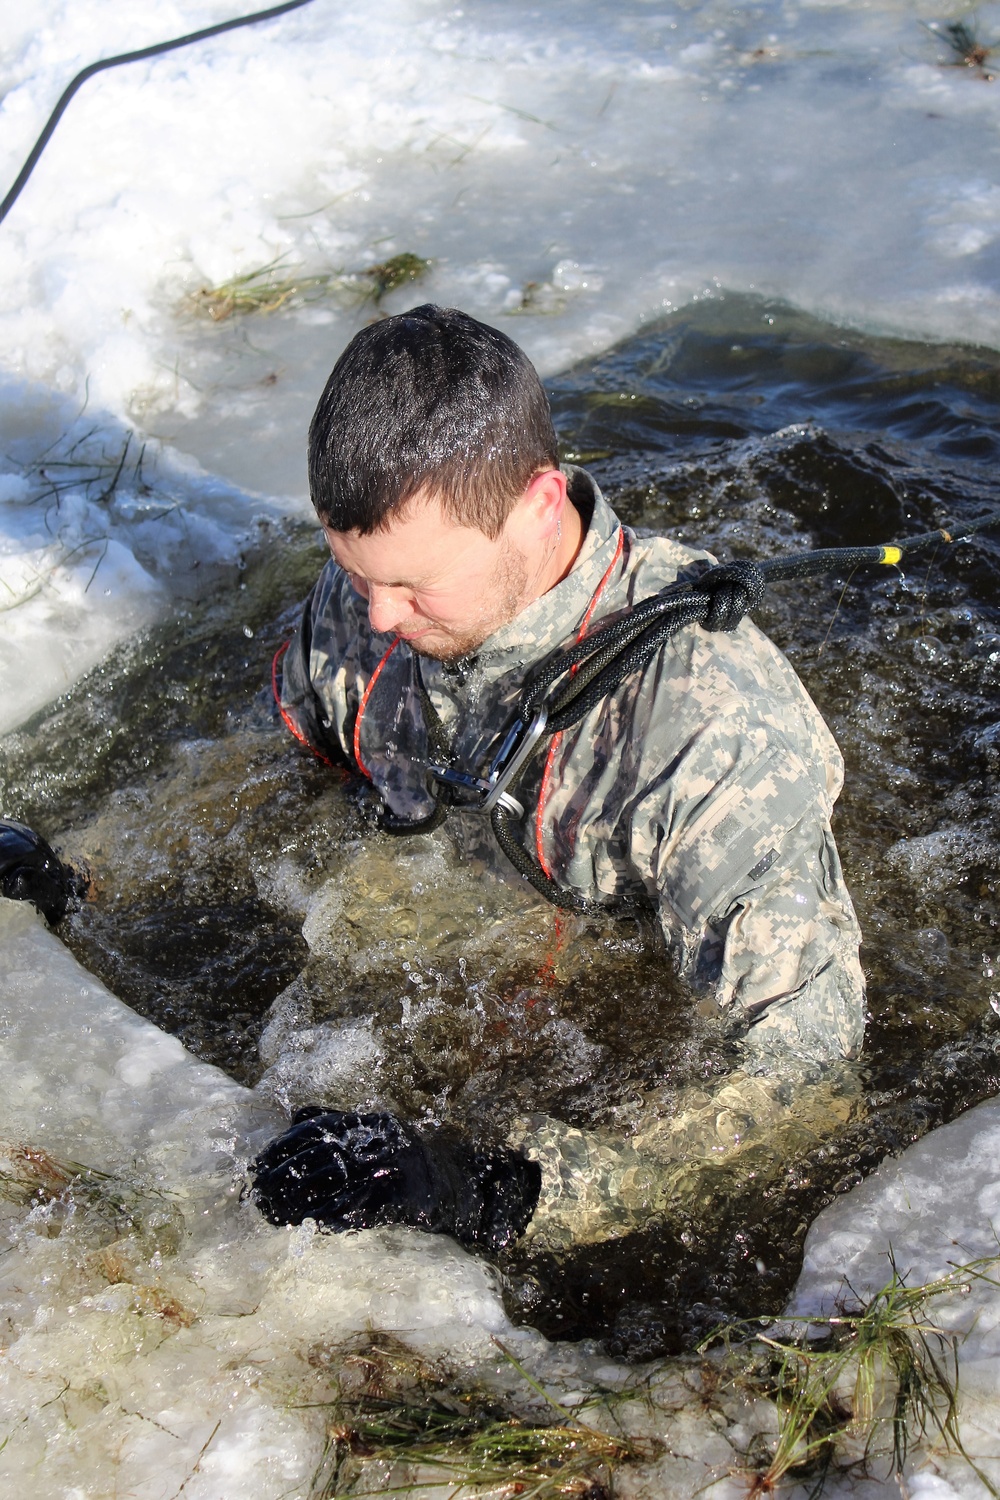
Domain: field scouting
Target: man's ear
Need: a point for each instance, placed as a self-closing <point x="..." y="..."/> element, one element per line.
<point x="542" y="504"/>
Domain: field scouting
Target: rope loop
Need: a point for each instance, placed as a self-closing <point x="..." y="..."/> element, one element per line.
<point x="734" y="589"/>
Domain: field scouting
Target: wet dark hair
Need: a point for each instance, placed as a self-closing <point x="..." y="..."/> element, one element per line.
<point x="429" y="398"/>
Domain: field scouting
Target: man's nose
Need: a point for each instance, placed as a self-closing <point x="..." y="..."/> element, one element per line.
<point x="388" y="608"/>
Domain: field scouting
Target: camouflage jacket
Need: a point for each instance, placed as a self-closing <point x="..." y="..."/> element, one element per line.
<point x="705" y="780"/>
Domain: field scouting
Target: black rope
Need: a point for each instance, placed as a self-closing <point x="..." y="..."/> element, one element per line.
<point x="717" y="599"/>
<point x="621" y="906"/>
<point x="595" y="666"/>
<point x="115" y="62"/>
<point x="575" y="679"/>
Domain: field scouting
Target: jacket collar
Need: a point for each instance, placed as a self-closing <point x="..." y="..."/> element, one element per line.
<point x="551" y="619"/>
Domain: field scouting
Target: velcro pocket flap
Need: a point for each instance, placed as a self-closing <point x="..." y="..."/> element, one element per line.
<point x="736" y="840"/>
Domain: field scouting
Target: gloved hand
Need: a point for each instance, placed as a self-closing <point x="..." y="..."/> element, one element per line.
<point x="353" y="1171"/>
<point x="31" y="871"/>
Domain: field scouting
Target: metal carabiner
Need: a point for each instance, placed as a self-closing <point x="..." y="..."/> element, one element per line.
<point x="517" y="745"/>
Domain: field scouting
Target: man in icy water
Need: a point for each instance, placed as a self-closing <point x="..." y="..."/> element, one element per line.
<point x="703" y="784"/>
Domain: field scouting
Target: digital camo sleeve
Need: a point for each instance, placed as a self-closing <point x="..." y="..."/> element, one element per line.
<point x="751" y="892"/>
<point x="787" y="948"/>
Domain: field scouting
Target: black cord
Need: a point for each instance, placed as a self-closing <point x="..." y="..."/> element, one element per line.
<point x="575" y="679"/>
<point x="579" y="677"/>
<point x="611" y="652"/>
<point x="114" y="62"/>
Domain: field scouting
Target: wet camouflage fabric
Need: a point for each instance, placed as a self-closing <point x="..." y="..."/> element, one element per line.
<point x="597" y="1186"/>
<point x="706" y="780"/>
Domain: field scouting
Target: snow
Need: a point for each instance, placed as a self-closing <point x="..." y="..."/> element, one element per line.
<point x="101" y="534"/>
<point x="935" y="1208"/>
<point x="189" y="1351"/>
<point x="184" y="1348"/>
<point x="111" y="1091"/>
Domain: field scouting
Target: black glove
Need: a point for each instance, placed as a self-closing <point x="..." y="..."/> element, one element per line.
<point x="734" y="588"/>
<point x="30" y="871"/>
<point x="351" y="1171"/>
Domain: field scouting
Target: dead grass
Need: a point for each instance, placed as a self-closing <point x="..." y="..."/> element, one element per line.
<point x="856" y="1391"/>
<point x="967" y="49"/>
<point x="263" y="290"/>
<point x="397" y="1422"/>
<point x="117" y="1211"/>
<point x="276" y="285"/>
<point x="393" y="273"/>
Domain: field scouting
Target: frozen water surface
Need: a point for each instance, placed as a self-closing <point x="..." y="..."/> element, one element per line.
<point x="578" y="175"/>
<point x="569" y="171"/>
<point x="129" y="1344"/>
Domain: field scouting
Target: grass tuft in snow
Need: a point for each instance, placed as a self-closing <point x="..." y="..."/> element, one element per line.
<point x="397" y="1423"/>
<point x="263" y="290"/>
<point x="66" y="1190"/>
<point x="394" y="273"/>
<point x="276" y="285"/>
<point x="855" y="1392"/>
<point x="966" y="48"/>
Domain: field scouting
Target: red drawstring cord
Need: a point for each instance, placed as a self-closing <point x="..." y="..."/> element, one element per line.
<point x="557" y="738"/>
<point x="287" y="720"/>
<point x="293" y="728"/>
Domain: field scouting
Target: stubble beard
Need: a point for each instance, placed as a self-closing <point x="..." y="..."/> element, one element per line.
<point x="505" y="598"/>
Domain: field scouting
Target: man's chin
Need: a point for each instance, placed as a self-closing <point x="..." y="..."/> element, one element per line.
<point x="441" y="645"/>
<point x="437" y="649"/>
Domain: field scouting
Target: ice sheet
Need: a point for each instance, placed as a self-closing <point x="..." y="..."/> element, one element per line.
<point x="935" y="1208"/>
<point x="569" y="172"/>
<point x="101" y="533"/>
<point x="208" y="1341"/>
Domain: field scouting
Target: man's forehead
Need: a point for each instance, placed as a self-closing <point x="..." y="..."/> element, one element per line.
<point x="420" y="547"/>
<point x="420" y="518"/>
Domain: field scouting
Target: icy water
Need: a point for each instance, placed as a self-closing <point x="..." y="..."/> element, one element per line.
<point x="739" y="425"/>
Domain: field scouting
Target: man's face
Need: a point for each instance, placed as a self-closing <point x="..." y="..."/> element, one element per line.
<point x="443" y="587"/>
